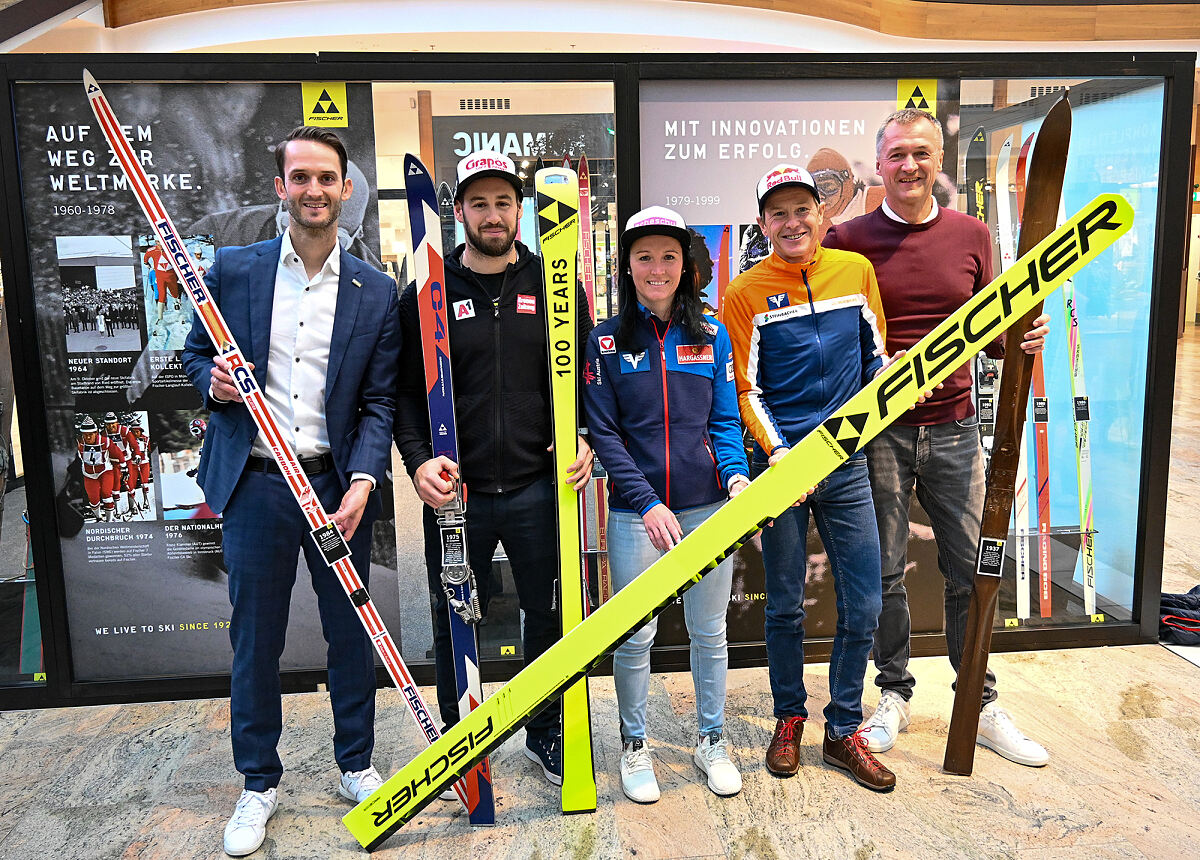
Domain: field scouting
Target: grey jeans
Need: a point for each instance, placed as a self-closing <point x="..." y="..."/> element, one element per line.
<point x="944" y="462"/>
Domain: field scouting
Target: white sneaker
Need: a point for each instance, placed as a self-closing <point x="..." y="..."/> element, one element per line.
<point x="448" y="794"/>
<point x="997" y="732"/>
<point x="637" y="773"/>
<point x="358" y="785"/>
<point x="248" y="826"/>
<point x="890" y="718"/>
<point x="712" y="757"/>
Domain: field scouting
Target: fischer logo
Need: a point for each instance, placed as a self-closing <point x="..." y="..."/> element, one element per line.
<point x="608" y="344"/>
<point x="452" y="762"/>
<point x="183" y="260"/>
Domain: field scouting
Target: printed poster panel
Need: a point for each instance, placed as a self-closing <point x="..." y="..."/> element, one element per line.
<point x="704" y="146"/>
<point x="143" y="570"/>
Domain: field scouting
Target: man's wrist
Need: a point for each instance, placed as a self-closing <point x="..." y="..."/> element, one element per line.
<point x="363" y="476"/>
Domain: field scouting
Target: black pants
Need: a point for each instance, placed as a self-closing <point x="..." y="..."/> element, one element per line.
<point x="523" y="520"/>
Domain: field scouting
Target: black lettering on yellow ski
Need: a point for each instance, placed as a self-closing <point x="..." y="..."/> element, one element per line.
<point x="1083" y="236"/>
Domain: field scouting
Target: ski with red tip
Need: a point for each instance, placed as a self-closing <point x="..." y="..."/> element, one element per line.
<point x="458" y="580"/>
<point x="333" y="546"/>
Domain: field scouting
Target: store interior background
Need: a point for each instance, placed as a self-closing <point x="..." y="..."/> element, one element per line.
<point x="896" y="27"/>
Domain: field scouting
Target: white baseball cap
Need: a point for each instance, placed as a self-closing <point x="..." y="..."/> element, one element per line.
<point x="782" y="175"/>
<point x="656" y="221"/>
<point x="486" y="162"/>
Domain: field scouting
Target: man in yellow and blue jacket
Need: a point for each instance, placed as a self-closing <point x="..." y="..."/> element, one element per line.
<point x="807" y="330"/>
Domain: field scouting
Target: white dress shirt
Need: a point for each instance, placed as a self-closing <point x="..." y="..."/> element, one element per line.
<point x="302" y="313"/>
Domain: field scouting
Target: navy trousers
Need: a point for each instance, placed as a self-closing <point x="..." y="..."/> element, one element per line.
<point x="264" y="531"/>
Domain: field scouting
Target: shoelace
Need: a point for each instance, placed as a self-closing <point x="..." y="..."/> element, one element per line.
<point x="864" y="751"/>
<point x="1001" y="720"/>
<point x="886" y="705"/>
<point x="365" y="779"/>
<point x="249" y="811"/>
<point x="787" y="732"/>
<point x="717" y="750"/>
<point x="638" y="758"/>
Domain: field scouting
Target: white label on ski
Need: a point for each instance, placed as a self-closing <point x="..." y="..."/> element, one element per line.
<point x="991" y="557"/>
<point x="987" y="409"/>
<point x="1041" y="410"/>
<point x="330" y="542"/>
<point x="464" y="310"/>
<point x="1082" y="412"/>
<point x="454" y="549"/>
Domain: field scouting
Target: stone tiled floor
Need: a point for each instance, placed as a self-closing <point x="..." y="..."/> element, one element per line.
<point x="155" y="780"/>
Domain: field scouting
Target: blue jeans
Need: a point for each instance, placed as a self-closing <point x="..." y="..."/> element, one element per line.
<point x="845" y="520"/>
<point x="263" y="533"/>
<point x="704" y="605"/>
<point x="944" y="462"/>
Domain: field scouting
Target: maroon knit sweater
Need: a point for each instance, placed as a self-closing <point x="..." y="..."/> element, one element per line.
<point x="925" y="272"/>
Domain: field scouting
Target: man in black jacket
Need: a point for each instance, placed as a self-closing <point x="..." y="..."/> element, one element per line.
<point x="499" y="357"/>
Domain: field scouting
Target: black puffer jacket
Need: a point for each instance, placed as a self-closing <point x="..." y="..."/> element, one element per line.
<point x="499" y="360"/>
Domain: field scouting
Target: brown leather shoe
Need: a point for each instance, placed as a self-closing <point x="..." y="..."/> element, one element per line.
<point x="783" y="753"/>
<point x="851" y="754"/>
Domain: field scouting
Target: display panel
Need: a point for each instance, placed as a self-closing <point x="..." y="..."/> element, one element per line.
<point x="144" y="581"/>
<point x="534" y="124"/>
<point x="705" y="144"/>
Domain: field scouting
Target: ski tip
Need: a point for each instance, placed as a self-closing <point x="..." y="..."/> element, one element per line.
<point x="89" y="83"/>
<point x="555" y="175"/>
<point x="413" y="164"/>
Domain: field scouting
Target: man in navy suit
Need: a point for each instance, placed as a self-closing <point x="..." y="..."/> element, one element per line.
<point x="320" y="331"/>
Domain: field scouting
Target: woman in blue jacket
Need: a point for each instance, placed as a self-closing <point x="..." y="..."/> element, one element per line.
<point x="663" y="416"/>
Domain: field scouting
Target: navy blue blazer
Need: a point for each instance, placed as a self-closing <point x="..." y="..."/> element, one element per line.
<point x="359" y="385"/>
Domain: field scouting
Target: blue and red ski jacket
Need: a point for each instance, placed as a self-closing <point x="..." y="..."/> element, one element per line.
<point x="663" y="417"/>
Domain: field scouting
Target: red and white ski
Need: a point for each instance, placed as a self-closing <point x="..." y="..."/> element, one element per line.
<point x="329" y="540"/>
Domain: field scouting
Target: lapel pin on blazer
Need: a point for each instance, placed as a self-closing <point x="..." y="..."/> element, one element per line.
<point x="356" y="282"/>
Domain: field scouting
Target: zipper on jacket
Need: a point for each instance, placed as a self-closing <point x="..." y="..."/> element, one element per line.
<point x="713" y="457"/>
<point x="496" y="389"/>
<point x="817" y="334"/>
<point x="662" y="353"/>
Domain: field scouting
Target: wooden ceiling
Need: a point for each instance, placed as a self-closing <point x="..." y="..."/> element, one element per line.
<point x="1064" y="21"/>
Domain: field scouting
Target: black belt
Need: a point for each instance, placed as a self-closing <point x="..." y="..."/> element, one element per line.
<point x="311" y="465"/>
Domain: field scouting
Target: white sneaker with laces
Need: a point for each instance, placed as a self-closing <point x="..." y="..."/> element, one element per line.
<point x="637" y="773"/>
<point x="358" y="785"/>
<point x="712" y="757"/>
<point x="890" y="718"/>
<point x="998" y="732"/>
<point x="248" y="826"/>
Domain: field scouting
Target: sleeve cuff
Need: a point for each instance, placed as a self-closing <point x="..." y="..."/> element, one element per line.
<point x="362" y="476"/>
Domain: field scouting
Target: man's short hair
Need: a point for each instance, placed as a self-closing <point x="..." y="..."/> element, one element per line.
<point x="317" y="135"/>
<point x="909" y="116"/>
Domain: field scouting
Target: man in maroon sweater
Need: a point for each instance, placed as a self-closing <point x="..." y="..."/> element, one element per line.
<point x="929" y="260"/>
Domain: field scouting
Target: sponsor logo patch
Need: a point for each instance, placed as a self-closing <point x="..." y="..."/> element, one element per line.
<point x="608" y="344"/>
<point x="779" y="301"/>
<point x="633" y="360"/>
<point x="464" y="310"/>
<point x="694" y="353"/>
<point x="526" y="304"/>
<point x="729" y="370"/>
